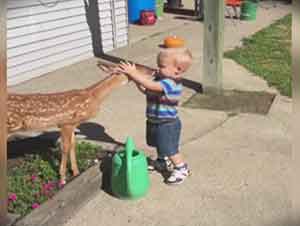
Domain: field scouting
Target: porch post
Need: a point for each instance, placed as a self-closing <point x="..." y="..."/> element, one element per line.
<point x="213" y="45"/>
<point x="3" y="115"/>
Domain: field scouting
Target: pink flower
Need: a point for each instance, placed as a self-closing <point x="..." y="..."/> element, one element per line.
<point x="35" y="205"/>
<point x="48" y="186"/>
<point x="12" y="197"/>
<point x="52" y="185"/>
<point x="61" y="184"/>
<point x="33" y="178"/>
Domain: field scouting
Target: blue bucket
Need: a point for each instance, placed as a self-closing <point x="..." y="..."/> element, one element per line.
<point x="136" y="6"/>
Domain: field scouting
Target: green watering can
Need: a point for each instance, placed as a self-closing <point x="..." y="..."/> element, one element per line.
<point x="130" y="177"/>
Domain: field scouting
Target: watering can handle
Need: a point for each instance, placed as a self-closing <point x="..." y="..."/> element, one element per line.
<point x="128" y="152"/>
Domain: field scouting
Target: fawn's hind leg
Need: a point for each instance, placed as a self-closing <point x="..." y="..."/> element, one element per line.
<point x="67" y="146"/>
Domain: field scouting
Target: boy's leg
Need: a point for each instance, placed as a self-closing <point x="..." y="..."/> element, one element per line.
<point x="161" y="164"/>
<point x="176" y="159"/>
<point x="168" y="144"/>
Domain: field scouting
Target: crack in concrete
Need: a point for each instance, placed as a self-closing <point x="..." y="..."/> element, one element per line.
<point x="203" y="134"/>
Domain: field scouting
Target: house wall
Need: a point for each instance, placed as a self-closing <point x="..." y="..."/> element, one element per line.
<point x="44" y="35"/>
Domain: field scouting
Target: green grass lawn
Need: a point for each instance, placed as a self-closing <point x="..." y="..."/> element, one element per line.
<point x="268" y="54"/>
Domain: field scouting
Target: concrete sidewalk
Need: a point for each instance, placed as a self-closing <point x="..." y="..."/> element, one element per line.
<point x="241" y="165"/>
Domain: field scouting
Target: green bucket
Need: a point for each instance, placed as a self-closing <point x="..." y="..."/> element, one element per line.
<point x="248" y="10"/>
<point x="159" y="8"/>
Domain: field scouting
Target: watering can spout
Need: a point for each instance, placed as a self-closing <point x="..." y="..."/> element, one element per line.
<point x="129" y="148"/>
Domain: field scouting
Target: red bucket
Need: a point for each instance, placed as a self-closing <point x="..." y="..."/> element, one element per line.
<point x="233" y="2"/>
<point x="147" y="17"/>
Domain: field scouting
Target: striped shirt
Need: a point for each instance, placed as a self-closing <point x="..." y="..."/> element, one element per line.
<point x="162" y="106"/>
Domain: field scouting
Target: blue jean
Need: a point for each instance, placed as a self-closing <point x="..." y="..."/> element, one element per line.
<point x="164" y="136"/>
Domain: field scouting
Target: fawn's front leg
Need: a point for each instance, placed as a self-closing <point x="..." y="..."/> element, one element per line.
<point x="67" y="146"/>
<point x="73" y="159"/>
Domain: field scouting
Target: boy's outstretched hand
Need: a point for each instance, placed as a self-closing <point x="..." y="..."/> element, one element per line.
<point x="112" y="68"/>
<point x="127" y="68"/>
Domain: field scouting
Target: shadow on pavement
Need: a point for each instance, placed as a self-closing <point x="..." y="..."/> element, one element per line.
<point x="106" y="170"/>
<point x="96" y="132"/>
<point x="47" y="142"/>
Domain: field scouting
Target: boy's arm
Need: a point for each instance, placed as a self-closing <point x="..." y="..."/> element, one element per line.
<point x="135" y="75"/>
<point x="140" y="88"/>
<point x="145" y="82"/>
<point x="145" y="69"/>
<point x="111" y="68"/>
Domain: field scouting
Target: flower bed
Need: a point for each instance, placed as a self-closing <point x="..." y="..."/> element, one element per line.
<point x="36" y="178"/>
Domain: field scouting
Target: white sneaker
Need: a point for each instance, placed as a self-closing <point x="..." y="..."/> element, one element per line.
<point x="178" y="175"/>
<point x="160" y="165"/>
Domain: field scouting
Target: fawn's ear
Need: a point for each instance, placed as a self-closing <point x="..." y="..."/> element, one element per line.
<point x="105" y="67"/>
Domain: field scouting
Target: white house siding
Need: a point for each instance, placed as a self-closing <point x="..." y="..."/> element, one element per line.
<point x="44" y="35"/>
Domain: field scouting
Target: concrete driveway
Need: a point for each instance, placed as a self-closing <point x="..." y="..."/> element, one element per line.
<point x="240" y="165"/>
